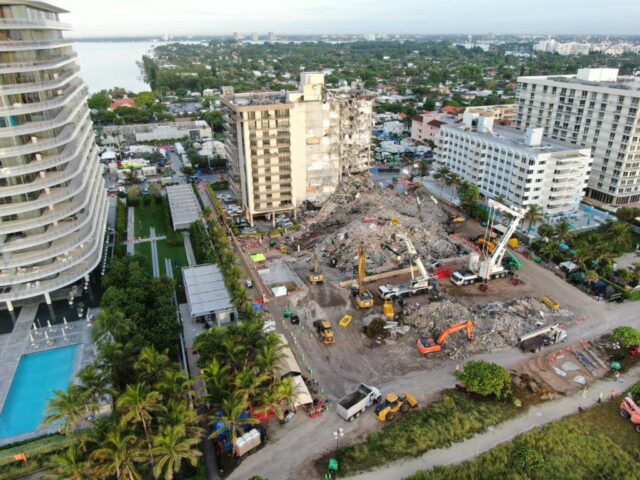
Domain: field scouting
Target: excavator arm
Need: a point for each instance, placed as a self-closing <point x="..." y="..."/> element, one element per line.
<point x="362" y="268"/>
<point x="468" y="325"/>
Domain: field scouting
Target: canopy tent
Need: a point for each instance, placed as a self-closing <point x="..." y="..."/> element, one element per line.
<point x="258" y="257"/>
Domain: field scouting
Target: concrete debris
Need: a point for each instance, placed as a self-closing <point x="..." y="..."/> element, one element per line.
<point x="560" y="372"/>
<point x="570" y="366"/>
<point x="497" y="325"/>
<point x="580" y="379"/>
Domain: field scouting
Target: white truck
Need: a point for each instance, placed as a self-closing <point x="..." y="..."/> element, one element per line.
<point x="538" y="339"/>
<point x="354" y="404"/>
<point x="417" y="286"/>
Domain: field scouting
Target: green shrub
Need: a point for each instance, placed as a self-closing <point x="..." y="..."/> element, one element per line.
<point x="628" y="336"/>
<point x="486" y="379"/>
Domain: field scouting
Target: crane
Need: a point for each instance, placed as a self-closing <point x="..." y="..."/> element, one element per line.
<point x="490" y="266"/>
<point x="418" y="285"/>
<point x="317" y="276"/>
<point x="429" y="345"/>
<point x="364" y="298"/>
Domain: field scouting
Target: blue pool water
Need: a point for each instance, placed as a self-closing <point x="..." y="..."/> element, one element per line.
<point x="37" y="376"/>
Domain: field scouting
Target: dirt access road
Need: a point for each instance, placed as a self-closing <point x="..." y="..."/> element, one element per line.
<point x="291" y="456"/>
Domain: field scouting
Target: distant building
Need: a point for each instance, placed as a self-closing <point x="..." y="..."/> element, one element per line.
<point x="426" y="127"/>
<point x="123" y="102"/>
<point x="116" y="134"/>
<point x="596" y="109"/>
<point x="287" y="147"/>
<point x="502" y="114"/>
<point x="567" y="48"/>
<point x="524" y="168"/>
<point x="255" y="37"/>
<point x="271" y="36"/>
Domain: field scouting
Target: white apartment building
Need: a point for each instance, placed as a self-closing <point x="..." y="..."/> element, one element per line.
<point x="562" y="48"/>
<point x="284" y="148"/>
<point x="595" y="109"/>
<point x="523" y="169"/>
<point x="53" y="205"/>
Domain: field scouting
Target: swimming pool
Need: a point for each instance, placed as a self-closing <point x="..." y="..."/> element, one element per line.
<point x="37" y="376"/>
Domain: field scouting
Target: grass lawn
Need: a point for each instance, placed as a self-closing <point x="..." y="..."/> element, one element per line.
<point x="178" y="258"/>
<point x="595" y="444"/>
<point x="147" y="216"/>
<point x="454" y="418"/>
<point x="38" y="452"/>
<point x="144" y="250"/>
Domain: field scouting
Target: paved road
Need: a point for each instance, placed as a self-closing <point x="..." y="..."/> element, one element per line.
<point x="131" y="232"/>
<point x="154" y="252"/>
<point x="188" y="248"/>
<point x="505" y="432"/>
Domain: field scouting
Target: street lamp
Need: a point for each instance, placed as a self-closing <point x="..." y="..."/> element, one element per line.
<point x="338" y="434"/>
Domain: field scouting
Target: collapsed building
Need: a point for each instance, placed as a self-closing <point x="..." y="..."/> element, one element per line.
<point x="286" y="148"/>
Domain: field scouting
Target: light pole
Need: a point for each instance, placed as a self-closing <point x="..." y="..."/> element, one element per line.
<point x="338" y="434"/>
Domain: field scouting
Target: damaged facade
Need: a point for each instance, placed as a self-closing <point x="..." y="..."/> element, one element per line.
<point x="285" y="148"/>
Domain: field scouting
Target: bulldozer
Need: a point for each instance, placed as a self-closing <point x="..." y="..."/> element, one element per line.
<point x="393" y="405"/>
<point x="325" y="331"/>
<point x="429" y="345"/>
<point x="388" y="309"/>
<point x="364" y="299"/>
<point x="317" y="276"/>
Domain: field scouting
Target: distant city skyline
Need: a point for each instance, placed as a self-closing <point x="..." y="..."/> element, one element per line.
<point x="287" y="17"/>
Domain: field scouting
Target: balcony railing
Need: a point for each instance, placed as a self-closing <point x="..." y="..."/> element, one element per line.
<point x="20" y="45"/>
<point x="18" y="88"/>
<point x="32" y="23"/>
<point x="21" y="67"/>
<point x="65" y="97"/>
<point x="70" y="151"/>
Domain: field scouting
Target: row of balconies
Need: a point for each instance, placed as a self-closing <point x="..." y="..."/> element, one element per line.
<point x="70" y="151"/>
<point x="68" y="259"/>
<point x="58" y="212"/>
<point x="62" y="118"/>
<point x="64" y="97"/>
<point x="22" y="45"/>
<point x="38" y="86"/>
<point x="32" y="23"/>
<point x="21" y="67"/>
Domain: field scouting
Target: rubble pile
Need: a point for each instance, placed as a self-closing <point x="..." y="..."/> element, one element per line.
<point x="496" y="325"/>
<point x="361" y="213"/>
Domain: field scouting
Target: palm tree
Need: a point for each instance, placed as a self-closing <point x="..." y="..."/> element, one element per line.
<point x="233" y="408"/>
<point x="248" y="384"/>
<point x="551" y="250"/>
<point x="620" y="235"/>
<point x="172" y="447"/>
<point x="180" y="413"/>
<point x="441" y="174"/>
<point x="118" y="455"/>
<point x="151" y="365"/>
<point x="217" y="379"/>
<point x="453" y="180"/>
<point x="563" y="230"/>
<point x="137" y="404"/>
<point x="532" y="215"/>
<point x="268" y="358"/>
<point x="94" y="384"/>
<point x="500" y="198"/>
<point x="286" y="393"/>
<point x="591" y="276"/>
<point x="70" y="407"/>
<point x="71" y="465"/>
<point x="175" y="384"/>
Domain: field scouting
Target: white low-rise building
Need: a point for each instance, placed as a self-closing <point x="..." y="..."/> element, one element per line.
<point x="524" y="168"/>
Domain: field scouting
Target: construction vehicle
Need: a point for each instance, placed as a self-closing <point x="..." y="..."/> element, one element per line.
<point x="629" y="409"/>
<point x="418" y="285"/>
<point x="388" y="309"/>
<point x="536" y="340"/>
<point x="490" y="266"/>
<point x="429" y="345"/>
<point x="393" y="405"/>
<point x="550" y="302"/>
<point x="364" y="299"/>
<point x="354" y="404"/>
<point x="325" y="331"/>
<point x="317" y="276"/>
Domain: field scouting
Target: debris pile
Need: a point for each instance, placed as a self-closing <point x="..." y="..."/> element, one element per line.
<point x="360" y="212"/>
<point x="496" y="325"/>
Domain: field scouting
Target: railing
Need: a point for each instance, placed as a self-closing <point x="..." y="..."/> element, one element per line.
<point x="17" y="67"/>
<point x="33" y="23"/>
<point x="62" y="118"/>
<point x="18" y="45"/>
<point x="17" y="88"/>
<point x="48" y="162"/>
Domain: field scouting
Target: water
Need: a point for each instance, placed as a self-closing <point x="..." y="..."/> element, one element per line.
<point x="37" y="376"/>
<point x="113" y="64"/>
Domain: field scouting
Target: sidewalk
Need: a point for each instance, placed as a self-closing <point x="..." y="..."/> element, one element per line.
<point x="535" y="417"/>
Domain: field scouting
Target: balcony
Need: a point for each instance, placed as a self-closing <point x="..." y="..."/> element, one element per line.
<point x="74" y="168"/>
<point x="68" y="134"/>
<point x="70" y="151"/>
<point x="18" y="88"/>
<point x="59" y="101"/>
<point x="32" y="24"/>
<point x="21" y="67"/>
<point x="59" y="212"/>
<point x="20" y="45"/>
<point x="65" y="116"/>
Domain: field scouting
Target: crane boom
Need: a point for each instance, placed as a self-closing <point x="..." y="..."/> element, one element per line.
<point x="415" y="257"/>
<point x="494" y="262"/>
<point x="362" y="268"/>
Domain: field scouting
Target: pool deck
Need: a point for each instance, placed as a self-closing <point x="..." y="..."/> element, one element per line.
<point x="18" y="343"/>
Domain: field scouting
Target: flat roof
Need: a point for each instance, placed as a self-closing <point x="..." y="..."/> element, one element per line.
<point x="184" y="205"/>
<point x="513" y="138"/>
<point x="35" y="4"/>
<point x="205" y="290"/>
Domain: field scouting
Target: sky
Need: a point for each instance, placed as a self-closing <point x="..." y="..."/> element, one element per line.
<point x="93" y="18"/>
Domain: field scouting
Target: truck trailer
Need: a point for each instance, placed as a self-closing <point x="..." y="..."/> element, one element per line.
<point x="538" y="339"/>
<point x="354" y="404"/>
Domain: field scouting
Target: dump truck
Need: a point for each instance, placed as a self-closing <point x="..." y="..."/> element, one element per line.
<point x="629" y="409"/>
<point x="393" y="405"/>
<point x="354" y="404"/>
<point x="538" y="339"/>
<point x="325" y="331"/>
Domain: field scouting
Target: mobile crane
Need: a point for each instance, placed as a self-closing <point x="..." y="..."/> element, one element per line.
<point x="429" y="345"/>
<point x="420" y="284"/>
<point x="490" y="266"/>
<point x="317" y="276"/>
<point x="364" y="299"/>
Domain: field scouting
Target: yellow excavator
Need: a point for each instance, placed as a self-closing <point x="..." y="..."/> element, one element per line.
<point x="317" y="276"/>
<point x="394" y="405"/>
<point x="364" y="299"/>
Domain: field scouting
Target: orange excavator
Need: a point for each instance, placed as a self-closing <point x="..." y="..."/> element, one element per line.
<point x="429" y="345"/>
